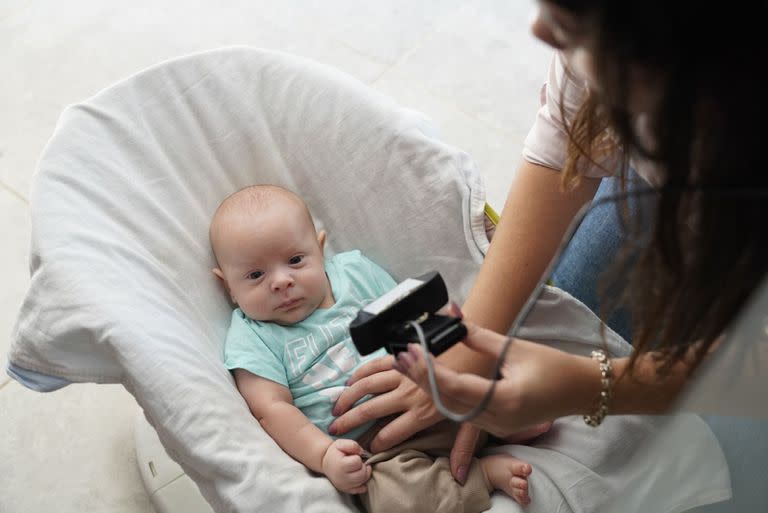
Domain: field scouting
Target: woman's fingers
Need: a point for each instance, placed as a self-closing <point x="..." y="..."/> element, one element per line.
<point x="452" y="309"/>
<point x="402" y="428"/>
<point x="484" y="340"/>
<point x="462" y="391"/>
<point x="478" y="338"/>
<point x="376" y="365"/>
<point x="462" y="451"/>
<point x="378" y="383"/>
<point x="380" y="406"/>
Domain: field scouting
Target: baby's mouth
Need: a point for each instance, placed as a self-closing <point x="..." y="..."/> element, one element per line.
<point x="287" y="305"/>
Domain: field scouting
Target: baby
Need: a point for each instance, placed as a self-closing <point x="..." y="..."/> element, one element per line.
<point x="289" y="348"/>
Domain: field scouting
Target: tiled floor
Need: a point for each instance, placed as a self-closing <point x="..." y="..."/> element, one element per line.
<point x="469" y="64"/>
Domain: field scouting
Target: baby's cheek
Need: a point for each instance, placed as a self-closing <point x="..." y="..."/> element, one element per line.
<point x="315" y="285"/>
<point x="255" y="306"/>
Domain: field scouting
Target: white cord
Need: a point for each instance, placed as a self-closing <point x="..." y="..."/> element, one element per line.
<point x="474" y="412"/>
<point x="442" y="408"/>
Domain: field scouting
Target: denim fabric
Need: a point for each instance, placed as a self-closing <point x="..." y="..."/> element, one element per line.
<point x="592" y="249"/>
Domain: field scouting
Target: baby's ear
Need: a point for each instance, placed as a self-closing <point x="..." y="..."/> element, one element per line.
<point x="321" y="239"/>
<point x="220" y="275"/>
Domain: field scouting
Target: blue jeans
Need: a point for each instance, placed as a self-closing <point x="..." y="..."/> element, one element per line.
<point x="744" y="441"/>
<point x="591" y="250"/>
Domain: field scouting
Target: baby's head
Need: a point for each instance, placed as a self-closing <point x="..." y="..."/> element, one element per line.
<point x="269" y="255"/>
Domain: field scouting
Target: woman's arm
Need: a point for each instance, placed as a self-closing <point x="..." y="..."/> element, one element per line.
<point x="535" y="217"/>
<point x="540" y="383"/>
<point x="646" y="390"/>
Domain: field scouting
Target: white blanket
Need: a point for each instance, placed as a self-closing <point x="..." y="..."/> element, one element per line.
<point x="121" y="287"/>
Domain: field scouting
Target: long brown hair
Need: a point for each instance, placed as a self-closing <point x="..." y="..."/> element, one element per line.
<point x="705" y="243"/>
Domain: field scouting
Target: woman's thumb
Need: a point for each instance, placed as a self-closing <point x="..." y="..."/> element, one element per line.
<point x="484" y="340"/>
<point x="478" y="338"/>
<point x="462" y="451"/>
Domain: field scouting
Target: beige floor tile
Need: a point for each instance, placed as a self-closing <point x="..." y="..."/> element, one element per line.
<point x="69" y="451"/>
<point x="62" y="53"/>
<point x="381" y="30"/>
<point x="14" y="266"/>
<point x="484" y="60"/>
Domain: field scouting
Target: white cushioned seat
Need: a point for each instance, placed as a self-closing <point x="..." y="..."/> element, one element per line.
<point x="122" y="292"/>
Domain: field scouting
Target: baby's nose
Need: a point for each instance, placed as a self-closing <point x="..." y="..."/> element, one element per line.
<point x="282" y="281"/>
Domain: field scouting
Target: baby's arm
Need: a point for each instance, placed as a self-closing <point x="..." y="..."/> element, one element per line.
<point x="272" y="405"/>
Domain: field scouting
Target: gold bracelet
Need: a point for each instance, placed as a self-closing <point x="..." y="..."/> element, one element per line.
<point x="606" y="377"/>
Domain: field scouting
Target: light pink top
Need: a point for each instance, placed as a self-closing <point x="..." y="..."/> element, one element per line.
<point x="547" y="141"/>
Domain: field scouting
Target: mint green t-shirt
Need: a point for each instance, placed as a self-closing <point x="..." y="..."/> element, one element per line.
<point x="315" y="357"/>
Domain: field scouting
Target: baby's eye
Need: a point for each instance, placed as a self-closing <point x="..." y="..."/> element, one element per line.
<point x="255" y="275"/>
<point x="296" y="259"/>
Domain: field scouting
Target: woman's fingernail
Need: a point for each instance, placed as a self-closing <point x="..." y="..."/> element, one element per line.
<point x="335" y="412"/>
<point x="404" y="360"/>
<point x="332" y="430"/>
<point x="462" y="474"/>
<point x="349" y="382"/>
<point x="413" y="351"/>
<point x="456" y="310"/>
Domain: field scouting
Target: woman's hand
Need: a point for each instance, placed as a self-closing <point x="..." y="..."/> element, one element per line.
<point x="538" y="383"/>
<point x="394" y="395"/>
<point x="397" y="394"/>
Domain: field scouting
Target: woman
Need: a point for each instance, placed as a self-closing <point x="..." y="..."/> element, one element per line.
<point x="674" y="90"/>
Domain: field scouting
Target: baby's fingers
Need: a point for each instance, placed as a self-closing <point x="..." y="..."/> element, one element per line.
<point x="348" y="447"/>
<point x="360" y="477"/>
<point x="351" y="463"/>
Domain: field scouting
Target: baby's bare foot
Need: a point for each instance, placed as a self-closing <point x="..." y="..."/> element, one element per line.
<point x="508" y="474"/>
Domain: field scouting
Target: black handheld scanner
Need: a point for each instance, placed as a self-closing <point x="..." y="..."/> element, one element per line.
<point x="384" y="322"/>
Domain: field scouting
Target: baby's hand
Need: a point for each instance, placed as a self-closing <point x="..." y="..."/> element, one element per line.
<point x="343" y="465"/>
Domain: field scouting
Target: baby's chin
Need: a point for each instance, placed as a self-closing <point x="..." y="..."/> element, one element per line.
<point x="286" y="318"/>
<point x="290" y="320"/>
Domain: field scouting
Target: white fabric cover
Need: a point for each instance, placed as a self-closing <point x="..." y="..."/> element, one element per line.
<point x="122" y="291"/>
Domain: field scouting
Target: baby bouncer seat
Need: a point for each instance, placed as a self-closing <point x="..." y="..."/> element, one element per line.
<point x="122" y="291"/>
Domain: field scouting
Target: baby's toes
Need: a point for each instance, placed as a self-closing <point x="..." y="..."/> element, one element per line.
<point x="519" y="484"/>
<point x="519" y="490"/>
<point x="521" y="469"/>
<point x="521" y="497"/>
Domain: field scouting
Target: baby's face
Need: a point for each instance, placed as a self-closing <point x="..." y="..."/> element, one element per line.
<point x="272" y="263"/>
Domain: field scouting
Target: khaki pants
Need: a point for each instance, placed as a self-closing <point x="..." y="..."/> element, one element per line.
<point x="415" y="476"/>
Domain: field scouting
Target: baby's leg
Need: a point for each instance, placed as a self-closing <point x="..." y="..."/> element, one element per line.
<point x="414" y="481"/>
<point x="508" y="474"/>
<point x="416" y="476"/>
